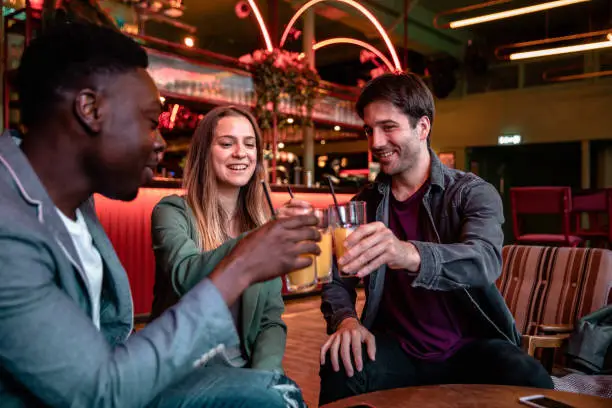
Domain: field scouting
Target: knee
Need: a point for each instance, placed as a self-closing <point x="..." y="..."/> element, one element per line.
<point x="281" y="393"/>
<point x="519" y="368"/>
<point x="336" y="385"/>
<point x="331" y="378"/>
<point x="531" y="373"/>
<point x="329" y="375"/>
<point x="231" y="387"/>
<point x="287" y="393"/>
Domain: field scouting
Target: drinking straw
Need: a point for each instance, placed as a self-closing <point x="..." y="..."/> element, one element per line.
<point x="331" y="187"/>
<point x="290" y="191"/>
<point x="268" y="198"/>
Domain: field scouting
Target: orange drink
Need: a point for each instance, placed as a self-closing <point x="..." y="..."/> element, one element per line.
<point x="340" y="235"/>
<point x="345" y="219"/>
<point x="302" y="279"/>
<point x="324" y="260"/>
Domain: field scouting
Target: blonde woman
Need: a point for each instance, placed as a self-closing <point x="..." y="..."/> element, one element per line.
<point x="192" y="234"/>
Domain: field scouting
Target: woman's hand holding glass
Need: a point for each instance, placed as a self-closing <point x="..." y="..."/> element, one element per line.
<point x="294" y="207"/>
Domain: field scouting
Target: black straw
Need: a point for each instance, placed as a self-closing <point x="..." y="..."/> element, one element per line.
<point x="290" y="191"/>
<point x="331" y="187"/>
<point x="268" y="198"/>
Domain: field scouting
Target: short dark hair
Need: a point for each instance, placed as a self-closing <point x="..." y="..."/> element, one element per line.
<point x="406" y="91"/>
<point x="66" y="57"/>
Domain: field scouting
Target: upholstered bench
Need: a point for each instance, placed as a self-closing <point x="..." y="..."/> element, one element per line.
<point x="549" y="288"/>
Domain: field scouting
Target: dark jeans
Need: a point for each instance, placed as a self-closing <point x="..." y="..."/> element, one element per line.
<point x="228" y="387"/>
<point x="486" y="361"/>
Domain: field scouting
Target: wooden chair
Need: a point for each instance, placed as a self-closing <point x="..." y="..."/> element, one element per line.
<point x="541" y="201"/>
<point x="549" y="288"/>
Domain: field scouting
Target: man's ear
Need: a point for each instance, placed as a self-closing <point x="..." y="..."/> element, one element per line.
<point x="424" y="127"/>
<point x="87" y="110"/>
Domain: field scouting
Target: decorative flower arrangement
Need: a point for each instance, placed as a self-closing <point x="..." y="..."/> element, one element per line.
<point x="278" y="75"/>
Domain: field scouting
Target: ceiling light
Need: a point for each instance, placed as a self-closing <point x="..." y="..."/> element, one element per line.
<point x="290" y="120"/>
<point x="561" y="50"/>
<point x="281" y="145"/>
<point x="156" y="6"/>
<point x="262" y="25"/>
<point x="189" y="41"/>
<point x="513" y="13"/>
<point x="337" y="128"/>
<point x="173" y="12"/>
<point x="162" y="99"/>
<point x="364" y="11"/>
<point x="173" y="114"/>
<point x="322" y="142"/>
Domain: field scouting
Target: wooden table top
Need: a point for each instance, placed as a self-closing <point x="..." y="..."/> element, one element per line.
<point x="464" y="396"/>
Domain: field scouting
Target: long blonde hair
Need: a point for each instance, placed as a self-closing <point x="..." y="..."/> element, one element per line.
<point x="200" y="183"/>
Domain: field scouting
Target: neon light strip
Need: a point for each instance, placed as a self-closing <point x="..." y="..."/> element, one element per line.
<point x="359" y="8"/>
<point x="560" y="50"/>
<point x="363" y="44"/>
<point x="513" y="13"/>
<point x="262" y="25"/>
<point x="175" y="109"/>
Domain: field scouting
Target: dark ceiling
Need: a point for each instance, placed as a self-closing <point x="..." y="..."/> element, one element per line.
<point x="219" y="29"/>
<point x="563" y="21"/>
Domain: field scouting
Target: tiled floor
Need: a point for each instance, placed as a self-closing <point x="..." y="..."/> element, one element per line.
<point x="306" y="335"/>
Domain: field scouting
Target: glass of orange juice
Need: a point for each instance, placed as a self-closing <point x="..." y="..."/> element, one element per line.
<point x="324" y="260"/>
<point x="302" y="280"/>
<point x="344" y="220"/>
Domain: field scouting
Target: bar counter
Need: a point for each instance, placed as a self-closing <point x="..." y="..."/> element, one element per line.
<point x="128" y="225"/>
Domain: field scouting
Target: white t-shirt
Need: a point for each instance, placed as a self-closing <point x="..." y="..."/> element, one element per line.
<point x="90" y="259"/>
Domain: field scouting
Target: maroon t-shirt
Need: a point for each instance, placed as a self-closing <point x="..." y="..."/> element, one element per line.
<point x="425" y="322"/>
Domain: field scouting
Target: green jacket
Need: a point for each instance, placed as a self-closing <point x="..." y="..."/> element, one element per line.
<point x="180" y="265"/>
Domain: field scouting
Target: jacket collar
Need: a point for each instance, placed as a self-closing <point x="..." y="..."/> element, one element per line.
<point x="34" y="194"/>
<point x="436" y="175"/>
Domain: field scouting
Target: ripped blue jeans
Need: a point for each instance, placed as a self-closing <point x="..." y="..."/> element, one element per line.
<point x="224" y="387"/>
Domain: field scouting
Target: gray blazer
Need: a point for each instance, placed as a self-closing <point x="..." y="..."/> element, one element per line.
<point x="50" y="351"/>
